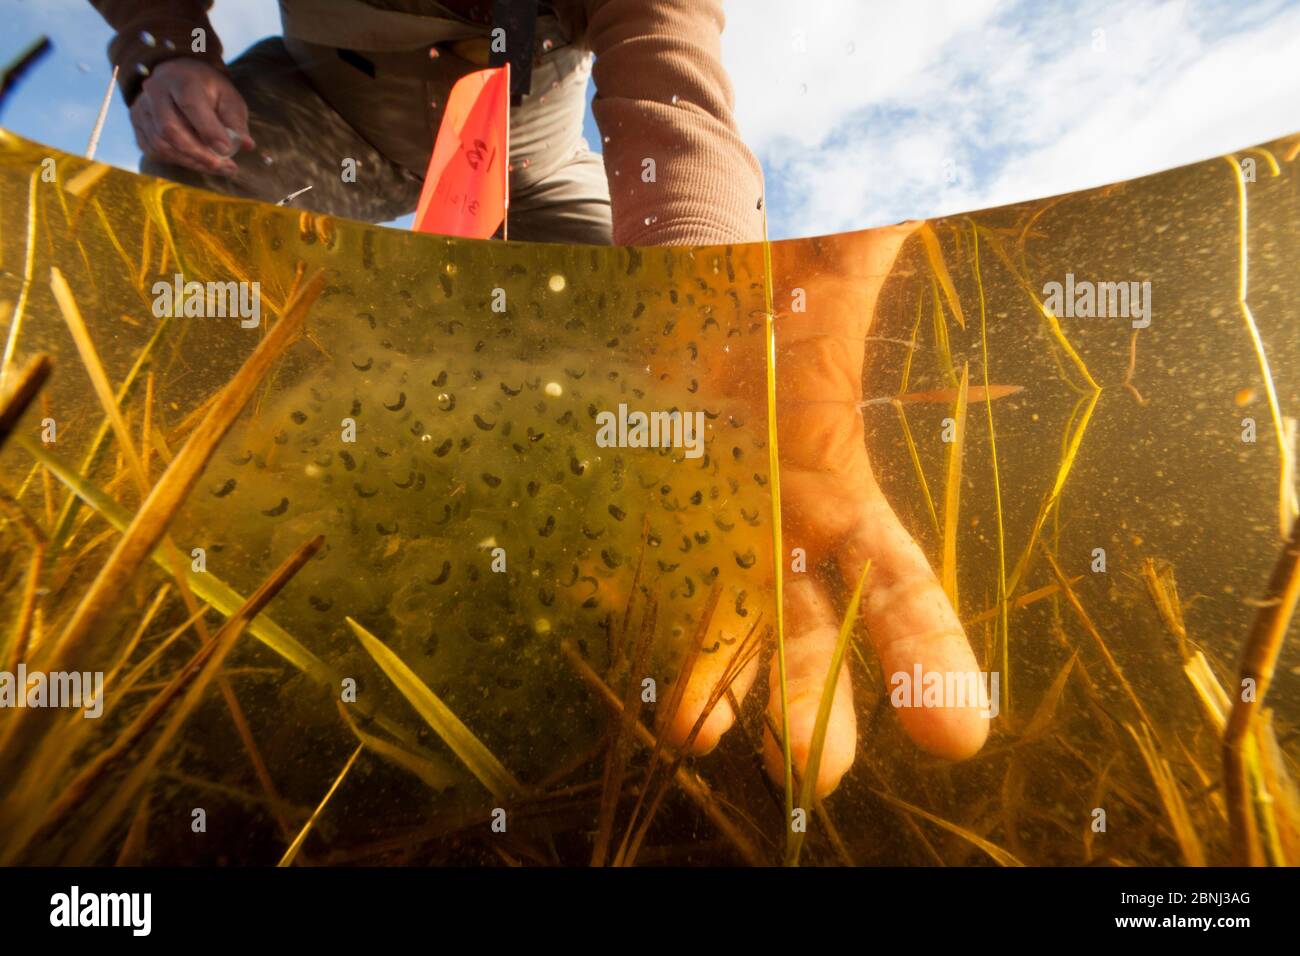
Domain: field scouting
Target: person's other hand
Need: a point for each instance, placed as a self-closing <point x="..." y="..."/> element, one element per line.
<point x="182" y="115"/>
<point x="833" y="508"/>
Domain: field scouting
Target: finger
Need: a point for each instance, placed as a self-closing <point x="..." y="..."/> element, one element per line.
<point x="232" y="112"/>
<point x="155" y="146"/>
<point x="912" y="625"/>
<point x="141" y="125"/>
<point x="151" y="142"/>
<point x="812" y="631"/>
<point x="175" y="130"/>
<point x="726" y="638"/>
<point x="195" y="106"/>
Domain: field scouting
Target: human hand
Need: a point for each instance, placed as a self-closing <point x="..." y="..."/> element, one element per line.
<point x="183" y="114"/>
<point x="833" y="508"/>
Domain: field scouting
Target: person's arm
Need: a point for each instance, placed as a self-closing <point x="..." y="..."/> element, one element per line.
<point x="170" y="24"/>
<point x="662" y="94"/>
<point x="181" y="98"/>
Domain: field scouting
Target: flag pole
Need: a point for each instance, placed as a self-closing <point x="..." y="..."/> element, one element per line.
<point x="505" y="163"/>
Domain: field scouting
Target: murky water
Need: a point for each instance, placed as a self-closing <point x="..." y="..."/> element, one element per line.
<point x="439" y="423"/>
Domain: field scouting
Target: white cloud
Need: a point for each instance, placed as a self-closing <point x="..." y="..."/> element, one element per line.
<point x="889" y="101"/>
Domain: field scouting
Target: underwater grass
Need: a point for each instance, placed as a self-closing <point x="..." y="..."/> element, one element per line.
<point x="164" y="500"/>
<point x="433" y="773"/>
<point x="952" y="490"/>
<point x="690" y="784"/>
<point x="1090" y="394"/>
<point x="220" y="644"/>
<point x="24" y="390"/>
<point x="186" y="689"/>
<point x="1258" y="662"/>
<point x="206" y="586"/>
<point x="98" y="767"/>
<point x="1163" y="590"/>
<point x="1171" y="797"/>
<point x="1045" y="712"/>
<point x="292" y="852"/>
<point x="942" y="346"/>
<point x="997" y="853"/>
<point x="1055" y="737"/>
<point x="812" y="766"/>
<point x="21" y="631"/>
<point x="172" y="558"/>
<point x="480" y="761"/>
<point x="98" y="446"/>
<point x="1285" y="512"/>
<point x="1026" y="599"/>
<point x="778" y="547"/>
<point x="29" y="263"/>
<point x="907" y="431"/>
<point x="226" y="600"/>
<point x="1073" y="442"/>
<point x="616" y="756"/>
<point x="1111" y="663"/>
<point x="940" y="269"/>
<point x="636" y="833"/>
<point x="1004" y="626"/>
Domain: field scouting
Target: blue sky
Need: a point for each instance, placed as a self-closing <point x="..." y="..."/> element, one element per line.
<point x="864" y="112"/>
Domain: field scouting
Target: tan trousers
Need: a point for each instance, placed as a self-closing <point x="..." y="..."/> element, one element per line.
<point x="312" y="109"/>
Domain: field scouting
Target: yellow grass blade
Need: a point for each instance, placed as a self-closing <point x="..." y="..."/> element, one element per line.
<point x="812" y="767"/>
<point x="471" y="751"/>
<point x="1053" y="323"/>
<point x="1029" y="597"/>
<point x="916" y="466"/>
<point x="778" y="548"/>
<point x="1281" y="790"/>
<point x="432" y="772"/>
<point x="1004" y="621"/>
<point x="690" y="784"/>
<point x="16" y="319"/>
<point x="192" y="685"/>
<point x="289" y="854"/>
<point x="911" y="351"/>
<point x="1214" y="700"/>
<point x="1258" y="662"/>
<point x="207" y="586"/>
<point x="1163" y="589"/>
<point x="952" y="492"/>
<point x="150" y="523"/>
<point x="1170" y="797"/>
<point x="940" y="268"/>
<point x="86" y="179"/>
<point x="1046" y="709"/>
<point x="98" y="377"/>
<point x="1073" y="442"/>
<point x="1285" y="491"/>
<point x="1077" y="606"/>
<point x="941" y="345"/>
<point x="999" y="855"/>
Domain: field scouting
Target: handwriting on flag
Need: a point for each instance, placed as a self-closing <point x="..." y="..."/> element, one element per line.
<point x="466" y="189"/>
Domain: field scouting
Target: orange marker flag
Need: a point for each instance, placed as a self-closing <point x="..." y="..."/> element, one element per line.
<point x="467" y="187"/>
